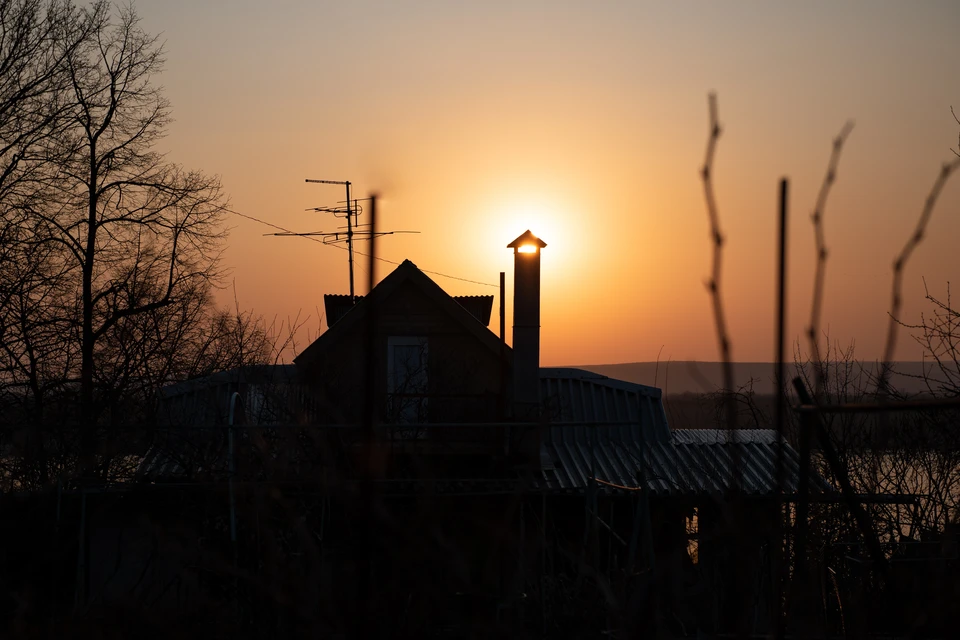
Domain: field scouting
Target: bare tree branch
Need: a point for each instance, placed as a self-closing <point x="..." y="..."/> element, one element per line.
<point x="956" y="151"/>
<point x="813" y="331"/>
<point x="713" y="285"/>
<point x="898" y="266"/>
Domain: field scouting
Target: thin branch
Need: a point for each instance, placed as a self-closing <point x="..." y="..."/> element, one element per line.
<point x="813" y="331"/>
<point x="713" y="285"/>
<point x="956" y="151"/>
<point x="898" y="265"/>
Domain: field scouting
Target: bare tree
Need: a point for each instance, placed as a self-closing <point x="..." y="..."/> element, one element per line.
<point x="141" y="232"/>
<point x="109" y="253"/>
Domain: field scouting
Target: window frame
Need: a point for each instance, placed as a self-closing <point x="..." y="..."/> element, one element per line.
<point x="423" y="343"/>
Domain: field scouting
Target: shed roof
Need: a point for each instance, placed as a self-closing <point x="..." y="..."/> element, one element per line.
<point x="692" y="462"/>
<point x="632" y="412"/>
<point x="250" y="374"/>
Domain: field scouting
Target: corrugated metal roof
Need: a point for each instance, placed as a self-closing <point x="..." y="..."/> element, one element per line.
<point x="273" y="374"/>
<point x="188" y="438"/>
<point x="179" y="459"/>
<point x="337" y="305"/>
<point x="633" y="412"/>
<point x="620" y="428"/>
<point x="724" y="436"/>
<point x="479" y="307"/>
<point x="692" y="462"/>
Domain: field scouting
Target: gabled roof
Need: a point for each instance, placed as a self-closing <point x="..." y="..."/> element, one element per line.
<point x="407" y="272"/>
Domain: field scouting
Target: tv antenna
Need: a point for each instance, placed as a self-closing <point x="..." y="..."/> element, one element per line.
<point x="353" y="226"/>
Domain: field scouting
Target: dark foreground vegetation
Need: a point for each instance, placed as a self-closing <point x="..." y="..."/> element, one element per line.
<point x="108" y="261"/>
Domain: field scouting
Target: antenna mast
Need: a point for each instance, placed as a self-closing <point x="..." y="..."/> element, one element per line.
<point x="350" y="215"/>
<point x="351" y="212"/>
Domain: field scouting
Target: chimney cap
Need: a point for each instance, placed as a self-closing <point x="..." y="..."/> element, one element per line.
<point x="527" y="239"/>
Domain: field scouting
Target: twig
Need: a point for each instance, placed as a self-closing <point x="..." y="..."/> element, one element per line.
<point x="713" y="285"/>
<point x="938" y="338"/>
<point x="656" y="371"/>
<point x="956" y="151"/>
<point x="898" y="265"/>
<point x="730" y="403"/>
<point x="813" y="331"/>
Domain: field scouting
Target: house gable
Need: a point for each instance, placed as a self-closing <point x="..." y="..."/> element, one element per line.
<point x="406" y="292"/>
<point x="466" y="365"/>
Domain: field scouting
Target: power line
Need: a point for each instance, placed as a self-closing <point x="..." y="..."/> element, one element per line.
<point x="269" y="224"/>
<point x="366" y="255"/>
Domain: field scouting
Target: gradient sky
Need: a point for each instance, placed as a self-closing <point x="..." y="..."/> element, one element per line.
<point x="587" y="123"/>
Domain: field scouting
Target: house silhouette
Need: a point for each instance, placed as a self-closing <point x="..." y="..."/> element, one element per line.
<point x="458" y="416"/>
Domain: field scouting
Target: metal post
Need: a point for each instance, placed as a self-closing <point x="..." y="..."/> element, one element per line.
<point x="233" y="468"/>
<point x="80" y="587"/>
<point x="523" y="537"/>
<point x="634" y="535"/>
<point x="502" y="401"/>
<point x="543" y="559"/>
<point x="640" y="507"/>
<point x="781" y="327"/>
<point x="799" y="591"/>
<point x="233" y="510"/>
<point x="350" y="241"/>
<point x="363" y="549"/>
<point x="840" y="472"/>
<point x="590" y="506"/>
<point x="778" y="555"/>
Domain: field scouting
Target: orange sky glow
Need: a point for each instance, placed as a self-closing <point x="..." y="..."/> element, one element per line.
<point x="586" y="123"/>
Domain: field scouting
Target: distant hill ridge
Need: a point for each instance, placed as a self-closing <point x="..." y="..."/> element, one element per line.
<point x="689" y="376"/>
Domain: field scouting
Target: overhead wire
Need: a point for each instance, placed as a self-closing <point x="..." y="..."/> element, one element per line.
<point x="360" y="253"/>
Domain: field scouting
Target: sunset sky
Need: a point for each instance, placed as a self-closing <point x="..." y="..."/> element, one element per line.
<point x="586" y="123"/>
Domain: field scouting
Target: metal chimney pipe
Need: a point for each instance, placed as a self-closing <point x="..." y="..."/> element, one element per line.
<point x="526" y="325"/>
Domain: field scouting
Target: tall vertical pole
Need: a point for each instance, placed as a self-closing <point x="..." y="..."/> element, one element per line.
<point x="365" y="619"/>
<point x="502" y="403"/>
<point x="231" y="453"/>
<point x="781" y="325"/>
<point x="782" y="523"/>
<point x="350" y="240"/>
<point x="233" y="469"/>
<point x="543" y="558"/>
<point x="799" y="589"/>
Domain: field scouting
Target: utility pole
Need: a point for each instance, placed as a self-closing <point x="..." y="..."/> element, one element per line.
<point x="351" y="212"/>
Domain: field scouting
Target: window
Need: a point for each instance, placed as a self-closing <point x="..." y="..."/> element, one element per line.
<point x="407" y="381"/>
